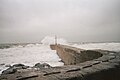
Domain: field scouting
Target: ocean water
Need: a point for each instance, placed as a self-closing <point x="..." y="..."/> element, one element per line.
<point x="30" y="54"/>
<point x="111" y="46"/>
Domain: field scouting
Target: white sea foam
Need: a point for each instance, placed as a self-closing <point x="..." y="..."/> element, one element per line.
<point x="104" y="46"/>
<point x="29" y="55"/>
<point x="51" y="40"/>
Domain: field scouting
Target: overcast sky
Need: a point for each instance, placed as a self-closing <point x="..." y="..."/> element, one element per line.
<point x="74" y="20"/>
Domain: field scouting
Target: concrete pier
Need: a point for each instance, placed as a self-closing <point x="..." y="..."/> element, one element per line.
<point x="72" y="55"/>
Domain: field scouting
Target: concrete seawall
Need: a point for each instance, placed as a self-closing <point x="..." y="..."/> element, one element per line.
<point x="72" y="55"/>
<point x="102" y="67"/>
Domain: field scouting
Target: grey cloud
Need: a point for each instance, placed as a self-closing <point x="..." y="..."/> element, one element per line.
<point x="75" y="20"/>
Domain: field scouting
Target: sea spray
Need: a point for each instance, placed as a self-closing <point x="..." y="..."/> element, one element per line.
<point x="51" y="40"/>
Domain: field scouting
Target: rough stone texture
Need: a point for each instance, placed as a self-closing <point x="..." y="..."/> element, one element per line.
<point x="72" y="55"/>
<point x="106" y="67"/>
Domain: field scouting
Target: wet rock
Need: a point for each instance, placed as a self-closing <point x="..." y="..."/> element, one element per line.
<point x="10" y="71"/>
<point x="44" y="65"/>
<point x="20" y="66"/>
<point x="2" y="64"/>
<point x="14" y="68"/>
<point x="8" y="65"/>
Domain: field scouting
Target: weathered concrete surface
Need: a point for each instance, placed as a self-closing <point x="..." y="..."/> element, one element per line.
<point x="72" y="55"/>
<point x="106" y="67"/>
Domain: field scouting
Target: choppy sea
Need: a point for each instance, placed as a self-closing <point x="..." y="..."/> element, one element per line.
<point x="30" y="54"/>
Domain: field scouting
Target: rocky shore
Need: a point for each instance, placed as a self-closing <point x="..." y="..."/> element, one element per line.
<point x="105" y="67"/>
<point x="16" y="67"/>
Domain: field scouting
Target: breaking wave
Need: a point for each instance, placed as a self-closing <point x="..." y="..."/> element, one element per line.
<point x="51" y="40"/>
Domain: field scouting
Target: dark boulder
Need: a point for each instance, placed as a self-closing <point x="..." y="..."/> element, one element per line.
<point x="14" y="68"/>
<point x="44" y="65"/>
<point x="10" y="71"/>
<point x="20" y="66"/>
<point x="8" y="65"/>
<point x="2" y="64"/>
